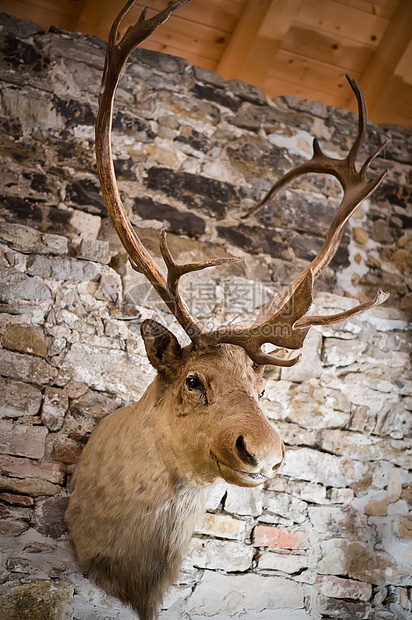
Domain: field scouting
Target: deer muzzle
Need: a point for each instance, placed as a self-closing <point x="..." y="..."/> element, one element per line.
<point x="251" y="454"/>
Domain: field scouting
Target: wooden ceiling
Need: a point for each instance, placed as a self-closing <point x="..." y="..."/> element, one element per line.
<point x="287" y="47"/>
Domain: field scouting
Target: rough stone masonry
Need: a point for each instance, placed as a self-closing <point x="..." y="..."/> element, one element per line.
<point x="330" y="536"/>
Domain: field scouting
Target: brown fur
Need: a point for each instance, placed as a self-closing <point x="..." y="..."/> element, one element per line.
<point x="140" y="484"/>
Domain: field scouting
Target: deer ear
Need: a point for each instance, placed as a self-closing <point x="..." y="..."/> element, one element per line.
<point x="162" y="347"/>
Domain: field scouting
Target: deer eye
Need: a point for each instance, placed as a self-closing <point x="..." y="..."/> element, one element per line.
<point x="261" y="394"/>
<point x="194" y="383"/>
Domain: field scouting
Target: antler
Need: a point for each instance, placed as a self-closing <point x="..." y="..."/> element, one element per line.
<point x="281" y="322"/>
<point x="117" y="53"/>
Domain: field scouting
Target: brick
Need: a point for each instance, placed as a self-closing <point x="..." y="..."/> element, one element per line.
<point x="266" y="536"/>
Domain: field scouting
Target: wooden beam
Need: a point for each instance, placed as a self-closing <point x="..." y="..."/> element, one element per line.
<point x="256" y="39"/>
<point x="388" y="60"/>
<point x="97" y="17"/>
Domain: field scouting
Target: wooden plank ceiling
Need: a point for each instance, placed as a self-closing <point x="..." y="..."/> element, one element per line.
<point x="287" y="47"/>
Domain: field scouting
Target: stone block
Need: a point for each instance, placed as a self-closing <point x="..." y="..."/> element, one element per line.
<point x="203" y="75"/>
<point x="310" y="405"/>
<point x="16" y="500"/>
<point x="338" y="608"/>
<point x="26" y="368"/>
<point x="337" y="521"/>
<point x="20" y="440"/>
<point x="108" y="370"/>
<point x="218" y="555"/>
<point x="306" y="491"/>
<point x="86" y="224"/>
<point x="283" y="505"/>
<point x="12" y="528"/>
<point x="67" y="451"/>
<point x="314" y="466"/>
<point x="362" y="447"/>
<point x="54" y="408"/>
<point x="265" y="536"/>
<point x="221" y="526"/>
<point x="337" y="587"/>
<point x="284" y="562"/>
<point x="16" y="286"/>
<point x="32" y="241"/>
<point x="245" y="91"/>
<point x="95" y="404"/>
<point x="25" y="339"/>
<point x="397" y="423"/>
<point x="62" y="269"/>
<point x="19" y="27"/>
<point x="217" y="495"/>
<point x="338" y="352"/>
<point x="293" y="434"/>
<point x="340" y="496"/>
<point x="28" y="486"/>
<point x="358" y="561"/>
<point x="48" y="518"/>
<point x="109" y="288"/>
<point x="18" y="399"/>
<point x="27" y="468"/>
<point x="243" y="594"/>
<point x="95" y="250"/>
<point x="243" y="501"/>
<point x="38" y="599"/>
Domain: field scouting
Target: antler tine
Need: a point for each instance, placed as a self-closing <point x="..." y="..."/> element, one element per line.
<point x="362" y="122"/>
<point x="174" y="273"/>
<point x="355" y="187"/>
<point x="308" y="321"/>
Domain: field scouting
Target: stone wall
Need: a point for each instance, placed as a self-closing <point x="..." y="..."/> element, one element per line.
<point x="330" y="536"/>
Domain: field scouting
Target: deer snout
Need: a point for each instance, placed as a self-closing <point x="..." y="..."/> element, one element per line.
<point x="262" y="459"/>
<point x="251" y="456"/>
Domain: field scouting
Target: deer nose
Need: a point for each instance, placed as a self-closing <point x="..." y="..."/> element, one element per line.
<point x="244" y="455"/>
<point x="250" y="459"/>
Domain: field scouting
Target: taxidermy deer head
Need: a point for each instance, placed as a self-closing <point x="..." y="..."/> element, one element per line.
<point x="140" y="483"/>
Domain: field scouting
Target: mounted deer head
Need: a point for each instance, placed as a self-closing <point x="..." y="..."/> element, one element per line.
<point x="140" y="483"/>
